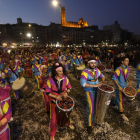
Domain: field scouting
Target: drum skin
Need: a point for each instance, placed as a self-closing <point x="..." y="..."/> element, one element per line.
<point x="103" y="100"/>
<point x="132" y="91"/>
<point x="63" y="113"/>
<point x="24" y="87"/>
<point x="79" y="70"/>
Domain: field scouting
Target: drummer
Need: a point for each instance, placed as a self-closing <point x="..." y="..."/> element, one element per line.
<point x="89" y="80"/>
<point x="12" y="73"/>
<point x="120" y="79"/>
<point x="6" y="111"/>
<point x="57" y="86"/>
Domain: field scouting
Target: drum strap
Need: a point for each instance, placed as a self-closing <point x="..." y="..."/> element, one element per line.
<point x="13" y="71"/>
<point x="59" y="90"/>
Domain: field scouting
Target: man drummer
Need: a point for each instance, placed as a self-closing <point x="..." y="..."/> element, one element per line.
<point x="57" y="86"/>
<point x="120" y="79"/>
<point x="89" y="80"/>
<point x="12" y="73"/>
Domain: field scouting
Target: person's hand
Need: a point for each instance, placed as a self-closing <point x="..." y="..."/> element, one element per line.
<point x="65" y="95"/>
<point x="9" y="75"/>
<point x="59" y="98"/>
<point x="130" y="84"/>
<point x="120" y="89"/>
<point x="98" y="85"/>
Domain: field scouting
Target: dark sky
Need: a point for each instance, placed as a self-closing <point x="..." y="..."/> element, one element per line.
<point x="95" y="12"/>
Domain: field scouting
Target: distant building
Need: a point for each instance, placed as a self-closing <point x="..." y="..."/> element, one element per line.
<point x="23" y="34"/>
<point x="80" y="24"/>
<point x="58" y="34"/>
<point x="116" y="31"/>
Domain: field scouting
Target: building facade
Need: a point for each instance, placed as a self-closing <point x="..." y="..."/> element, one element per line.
<point x="116" y="31"/>
<point x="80" y="24"/>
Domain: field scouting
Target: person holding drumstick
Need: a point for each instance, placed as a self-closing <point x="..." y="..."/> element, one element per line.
<point x="12" y="73"/>
<point x="120" y="79"/>
<point x="57" y="86"/>
<point x="5" y="111"/>
<point x="89" y="80"/>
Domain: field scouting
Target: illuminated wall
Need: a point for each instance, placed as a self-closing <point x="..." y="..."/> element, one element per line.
<point x="65" y="23"/>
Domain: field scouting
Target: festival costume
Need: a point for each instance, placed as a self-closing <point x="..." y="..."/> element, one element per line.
<point x="46" y="98"/>
<point x="36" y="68"/>
<point x="75" y="60"/>
<point x="51" y="87"/>
<point x="13" y="77"/>
<point x="138" y="79"/>
<point x="5" y="112"/>
<point x="89" y="77"/>
<point x="80" y="58"/>
<point x="2" y="63"/>
<point x="27" y="66"/>
<point x="97" y="59"/>
<point x="120" y="75"/>
<point x="45" y="61"/>
<point x="17" y="63"/>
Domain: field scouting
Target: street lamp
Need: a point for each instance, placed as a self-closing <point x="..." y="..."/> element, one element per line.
<point x="28" y="35"/>
<point x="55" y="3"/>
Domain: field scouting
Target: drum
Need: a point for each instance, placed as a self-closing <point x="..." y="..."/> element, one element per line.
<point x="24" y="87"/>
<point x="103" y="100"/>
<point x="101" y="67"/>
<point x="79" y="70"/>
<point x="63" y="111"/>
<point x="130" y="93"/>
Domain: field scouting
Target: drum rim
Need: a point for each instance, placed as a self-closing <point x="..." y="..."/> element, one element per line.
<point x="79" y="66"/>
<point x="20" y="87"/>
<point x="65" y="110"/>
<point x="128" y="95"/>
<point x="107" y="91"/>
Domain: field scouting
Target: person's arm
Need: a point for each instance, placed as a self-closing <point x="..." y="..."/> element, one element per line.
<point x="130" y="84"/>
<point x="115" y="81"/>
<point x="7" y="111"/>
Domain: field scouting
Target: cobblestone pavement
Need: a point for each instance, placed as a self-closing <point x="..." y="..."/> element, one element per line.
<point x="32" y="123"/>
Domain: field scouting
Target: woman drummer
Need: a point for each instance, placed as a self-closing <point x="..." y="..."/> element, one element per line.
<point x="57" y="86"/>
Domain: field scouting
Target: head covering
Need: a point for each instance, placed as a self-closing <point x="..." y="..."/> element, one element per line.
<point x="58" y="66"/>
<point x="91" y="59"/>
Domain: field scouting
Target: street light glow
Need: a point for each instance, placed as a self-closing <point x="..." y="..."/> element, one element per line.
<point x="29" y="35"/>
<point x="55" y="3"/>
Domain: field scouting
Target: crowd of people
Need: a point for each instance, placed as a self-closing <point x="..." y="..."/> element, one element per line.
<point x="50" y="68"/>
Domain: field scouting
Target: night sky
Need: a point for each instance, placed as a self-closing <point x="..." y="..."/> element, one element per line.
<point x="95" y="12"/>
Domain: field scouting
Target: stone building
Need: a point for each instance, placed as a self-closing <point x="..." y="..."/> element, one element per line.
<point x="80" y="24"/>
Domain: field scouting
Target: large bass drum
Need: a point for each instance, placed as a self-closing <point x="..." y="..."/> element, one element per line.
<point x="103" y="101"/>
<point x="63" y="111"/>
<point x="24" y="87"/>
<point x="79" y="70"/>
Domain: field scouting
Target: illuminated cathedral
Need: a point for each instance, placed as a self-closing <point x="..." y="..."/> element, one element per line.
<point x="65" y="23"/>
